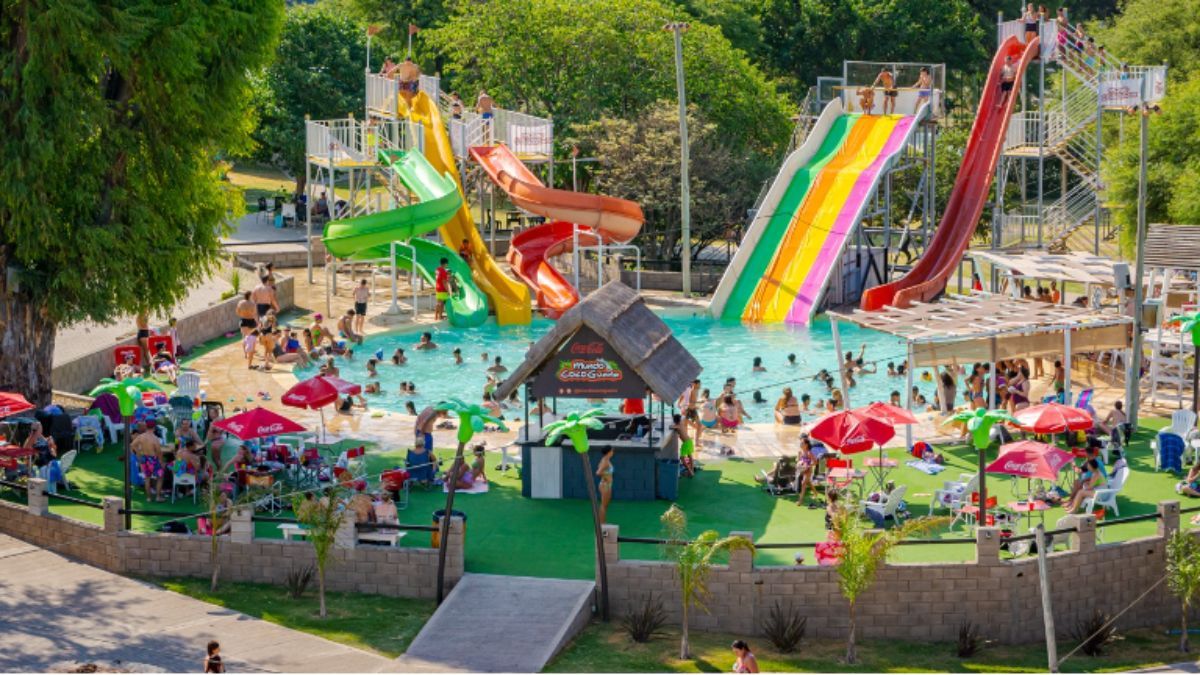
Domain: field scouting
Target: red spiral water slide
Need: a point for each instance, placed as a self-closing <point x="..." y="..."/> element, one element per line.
<point x="928" y="278"/>
<point x="601" y="217"/>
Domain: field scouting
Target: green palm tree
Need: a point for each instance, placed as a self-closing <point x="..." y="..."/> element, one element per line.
<point x="693" y="561"/>
<point x="129" y="395"/>
<point x="979" y="424"/>
<point x="575" y="426"/>
<point x="471" y="419"/>
<point x="1190" y="324"/>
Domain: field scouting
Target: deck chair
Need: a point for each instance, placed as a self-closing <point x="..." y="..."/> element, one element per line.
<point x="888" y="508"/>
<point x="64" y="466"/>
<point x="1183" y="423"/>
<point x="1168" y="451"/>
<point x="953" y="493"/>
<point x="781" y="479"/>
<point x="89" y="432"/>
<point x="188" y="384"/>
<point x="181" y="409"/>
<point x="1084" y="402"/>
<point x="1107" y="495"/>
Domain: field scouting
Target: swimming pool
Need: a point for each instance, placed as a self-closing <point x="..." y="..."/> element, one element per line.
<point x="723" y="349"/>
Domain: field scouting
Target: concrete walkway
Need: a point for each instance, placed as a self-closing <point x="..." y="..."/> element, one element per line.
<point x="55" y="612"/>
<point x="497" y="624"/>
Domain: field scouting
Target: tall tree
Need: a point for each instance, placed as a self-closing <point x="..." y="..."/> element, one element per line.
<point x="639" y="160"/>
<point x="318" y="71"/>
<point x="1149" y="32"/>
<point x="113" y="114"/>
<point x="579" y="60"/>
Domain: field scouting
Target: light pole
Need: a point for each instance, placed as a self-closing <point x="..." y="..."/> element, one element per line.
<point x="685" y="198"/>
<point x="1133" y="378"/>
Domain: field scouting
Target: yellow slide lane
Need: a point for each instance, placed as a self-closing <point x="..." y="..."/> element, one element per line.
<point x="508" y="296"/>
<point x="765" y="294"/>
<point x="816" y="220"/>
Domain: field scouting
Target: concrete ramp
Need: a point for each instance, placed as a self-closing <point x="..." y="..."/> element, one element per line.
<point x="494" y="624"/>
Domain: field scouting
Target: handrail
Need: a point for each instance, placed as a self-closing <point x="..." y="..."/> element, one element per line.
<point x="374" y="527"/>
<point x="75" y="500"/>
<point x="14" y="486"/>
<point x="161" y="514"/>
<point x="1128" y="519"/>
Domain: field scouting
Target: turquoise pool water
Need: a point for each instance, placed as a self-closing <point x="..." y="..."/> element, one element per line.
<point x="723" y="349"/>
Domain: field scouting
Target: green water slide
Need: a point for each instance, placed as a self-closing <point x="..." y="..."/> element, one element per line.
<point x="370" y="237"/>
<point x="781" y="218"/>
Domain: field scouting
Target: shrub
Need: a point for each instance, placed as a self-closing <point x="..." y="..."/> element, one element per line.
<point x="645" y="622"/>
<point x="296" y="581"/>
<point x="1095" y="633"/>
<point x="969" y="640"/>
<point x="784" y="627"/>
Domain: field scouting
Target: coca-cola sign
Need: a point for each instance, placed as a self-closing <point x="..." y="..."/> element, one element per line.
<point x="586" y="366"/>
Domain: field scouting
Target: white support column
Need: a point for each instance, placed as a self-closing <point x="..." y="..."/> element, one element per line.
<point x="1067" y="367"/>
<point x="395" y="308"/>
<point x="837" y="347"/>
<point x="908" y="382"/>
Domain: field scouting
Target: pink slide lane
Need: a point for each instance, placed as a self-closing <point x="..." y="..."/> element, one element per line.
<point x="818" y="274"/>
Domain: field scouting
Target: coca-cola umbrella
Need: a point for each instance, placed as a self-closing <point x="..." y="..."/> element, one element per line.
<point x="258" y="423"/>
<point x="891" y="414"/>
<point x="1030" y="459"/>
<point x="1053" y="418"/>
<point x="317" y="392"/>
<point x="13" y="404"/>
<point x="851" y="431"/>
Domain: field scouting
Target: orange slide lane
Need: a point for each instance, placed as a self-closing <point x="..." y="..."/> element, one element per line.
<point x="768" y="287"/>
<point x="614" y="220"/>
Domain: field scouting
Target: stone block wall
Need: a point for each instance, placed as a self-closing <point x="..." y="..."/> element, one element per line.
<point x="391" y="571"/>
<point x="924" y="602"/>
<point x="82" y="373"/>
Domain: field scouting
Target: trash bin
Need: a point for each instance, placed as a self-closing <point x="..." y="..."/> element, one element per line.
<point x="666" y="479"/>
<point x="436" y="539"/>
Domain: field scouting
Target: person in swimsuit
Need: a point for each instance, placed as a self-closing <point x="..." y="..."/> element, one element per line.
<point x="687" y="445"/>
<point x="890" y="92"/>
<point x="1031" y="23"/>
<point x="758" y="366"/>
<point x="143" y="338"/>
<point x="806" y="467"/>
<point x="1018" y="391"/>
<point x="728" y="414"/>
<point x="604" y="470"/>
<point x="441" y="286"/>
<point x="425" y="343"/>
<point x="1090" y="479"/>
<point x="744" y="661"/>
<point x="361" y="295"/>
<point x="1191" y="484"/>
<point x="706" y="410"/>
<point x="485" y="106"/>
<point x="215" y="438"/>
<point x="464" y="251"/>
<point x="787" y="409"/>
<point x="148" y="451"/>
<point x="212" y="662"/>
<point x="1008" y="78"/>
<point x="408" y="77"/>
<point x="923" y="85"/>
<point x="1063" y="31"/>
<point x="247" y="317"/>
<point x="420" y="459"/>
<point x="346" y="327"/>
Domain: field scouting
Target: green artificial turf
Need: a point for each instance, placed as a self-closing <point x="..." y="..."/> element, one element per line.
<point x="374" y="622"/>
<point x="509" y="534"/>
<point x="605" y="648"/>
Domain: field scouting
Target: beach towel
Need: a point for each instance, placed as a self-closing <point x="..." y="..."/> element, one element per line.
<point x="480" y="487"/>
<point x="931" y="468"/>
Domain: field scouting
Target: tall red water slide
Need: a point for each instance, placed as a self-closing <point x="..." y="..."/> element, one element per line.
<point x="928" y="278"/>
<point x="600" y="217"/>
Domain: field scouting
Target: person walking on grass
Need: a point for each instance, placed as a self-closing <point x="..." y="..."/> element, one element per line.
<point x="361" y="295"/>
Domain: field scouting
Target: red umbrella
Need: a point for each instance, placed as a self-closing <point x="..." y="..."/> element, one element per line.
<point x="1053" y="418"/>
<point x="318" y="392"/>
<point x="12" y="404"/>
<point x="258" y="423"/>
<point x="1030" y="459"/>
<point x="851" y="431"/>
<point x="886" y="412"/>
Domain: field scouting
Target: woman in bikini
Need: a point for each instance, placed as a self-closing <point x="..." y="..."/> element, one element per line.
<point x="604" y="470"/>
<point x="806" y="466"/>
<point x="787" y="409"/>
<point x="1031" y="23"/>
<point x="728" y="415"/>
<point x="707" y="414"/>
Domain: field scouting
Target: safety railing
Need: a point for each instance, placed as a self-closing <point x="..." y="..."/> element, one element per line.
<point x="1130" y="85"/>
<point x="1023" y="131"/>
<point x="1016" y="229"/>
<point x="382" y="94"/>
<point x="336" y="140"/>
<point x="1047" y="35"/>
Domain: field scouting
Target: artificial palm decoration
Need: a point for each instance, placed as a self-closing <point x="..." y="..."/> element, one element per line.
<point x="1190" y="324"/>
<point x="129" y="395"/>
<point x="979" y="423"/>
<point x="693" y="561"/>
<point x="471" y="419"/>
<point x="575" y="427"/>
<point x="862" y="552"/>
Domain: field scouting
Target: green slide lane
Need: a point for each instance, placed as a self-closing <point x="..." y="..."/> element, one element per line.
<point x="370" y="236"/>
<point x="777" y="226"/>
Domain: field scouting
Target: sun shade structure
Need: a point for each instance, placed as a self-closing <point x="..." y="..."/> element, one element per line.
<point x="1173" y="247"/>
<point x="610" y="345"/>
<point x="1075" y="266"/>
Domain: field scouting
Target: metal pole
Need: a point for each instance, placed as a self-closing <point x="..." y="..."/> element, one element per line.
<point x="837" y="347"/>
<point x="908" y="382"/>
<point x="1135" y="364"/>
<point x="126" y="467"/>
<point x="685" y="199"/>
<point x="1099" y="159"/>
<point x="1066" y="367"/>
<point x="1044" y="587"/>
<point x="395" y="308"/>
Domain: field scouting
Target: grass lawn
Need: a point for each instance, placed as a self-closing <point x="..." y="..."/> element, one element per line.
<point x="605" y="648"/>
<point x="373" y="622"/>
<point x="509" y="534"/>
<point x="259" y="180"/>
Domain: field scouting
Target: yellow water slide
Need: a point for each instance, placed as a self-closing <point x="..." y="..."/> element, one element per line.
<point x="777" y="290"/>
<point x="508" y="296"/>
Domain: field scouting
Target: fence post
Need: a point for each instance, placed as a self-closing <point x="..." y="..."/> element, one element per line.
<point x="39" y="503"/>
<point x="241" y="527"/>
<point x="987" y="546"/>
<point x="114" y="520"/>
<point x="1084" y="539"/>
<point x="741" y="560"/>
<point x="1168" y="518"/>
<point x="347" y="532"/>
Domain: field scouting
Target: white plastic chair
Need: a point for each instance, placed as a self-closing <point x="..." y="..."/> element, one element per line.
<point x="889" y="507"/>
<point x="188" y="384"/>
<point x="89" y="429"/>
<point x="183" y="480"/>
<point x="1107" y="496"/>
<point x="1183" y="423"/>
<point x="953" y="493"/>
<point x="64" y="465"/>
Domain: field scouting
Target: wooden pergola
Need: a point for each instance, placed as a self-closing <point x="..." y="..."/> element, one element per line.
<point x="988" y="328"/>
